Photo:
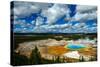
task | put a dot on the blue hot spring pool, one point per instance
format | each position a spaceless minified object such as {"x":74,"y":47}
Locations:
{"x":75,"y":46}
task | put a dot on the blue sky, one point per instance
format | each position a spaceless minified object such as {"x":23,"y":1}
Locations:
{"x":32,"y":17}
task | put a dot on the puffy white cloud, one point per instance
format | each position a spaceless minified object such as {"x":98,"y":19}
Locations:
{"x":23,"y":9}
{"x":33,"y":22}
{"x":85,"y":8}
{"x":84,"y":13}
{"x":55,"y":12}
{"x":39,"y":21}
{"x":79,"y":25}
{"x":19,"y":22}
{"x":84,"y":16}
{"x":53,"y":28}
{"x":62,"y":26}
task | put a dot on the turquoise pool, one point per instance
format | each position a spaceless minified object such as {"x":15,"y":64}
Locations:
{"x":75,"y":46}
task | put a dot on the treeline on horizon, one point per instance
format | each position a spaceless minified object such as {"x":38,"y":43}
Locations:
{"x":53,"y":33}
{"x":24,"y":38}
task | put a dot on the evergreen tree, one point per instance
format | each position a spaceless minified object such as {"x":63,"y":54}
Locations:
{"x":35,"y":56}
{"x":57,"y":60}
{"x":20,"y":60}
{"x":93,"y":58}
{"x":63,"y":60}
{"x":81,"y":59}
{"x":53,"y":61}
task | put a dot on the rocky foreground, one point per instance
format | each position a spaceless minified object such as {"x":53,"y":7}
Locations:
{"x":50,"y":48}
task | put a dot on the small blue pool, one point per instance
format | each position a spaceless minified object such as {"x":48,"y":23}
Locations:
{"x":75,"y":46}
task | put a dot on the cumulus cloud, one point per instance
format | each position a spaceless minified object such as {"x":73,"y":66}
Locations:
{"x":83,"y":9}
{"x":85,"y":13}
{"x":25,"y":9}
{"x":79,"y":25}
{"x":22,"y":26}
{"x":22,"y":9}
{"x":39,"y":21}
{"x":53,"y":28}
{"x":55,"y":12}
{"x":63,"y":26}
{"x":52,"y":13}
{"x":84,"y":16}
